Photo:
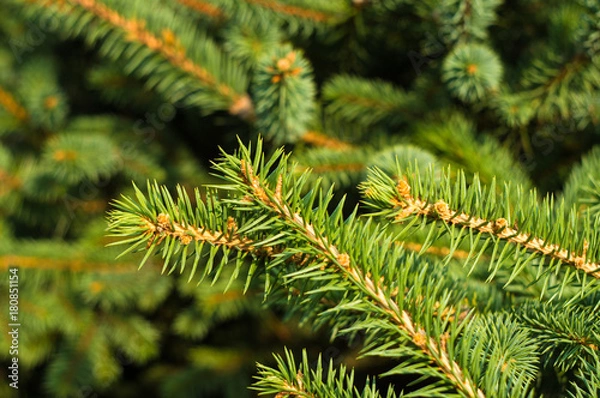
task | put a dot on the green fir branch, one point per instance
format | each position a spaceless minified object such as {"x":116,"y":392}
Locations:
{"x":165,"y":49}
{"x":460,"y":20}
{"x":454,"y":139}
{"x":303,"y":380}
{"x":268,"y":220}
{"x":367,"y":101}
{"x":349,"y":167}
{"x":488,"y":221}
{"x":284,"y":92}
{"x":569,"y":336}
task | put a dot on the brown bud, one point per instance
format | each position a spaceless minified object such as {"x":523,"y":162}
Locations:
{"x":185,"y":239}
{"x":500,"y":224}
{"x":441,"y":208}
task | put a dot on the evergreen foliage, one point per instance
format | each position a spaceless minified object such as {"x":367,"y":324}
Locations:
{"x":436,"y":205}
{"x":284,"y":93}
{"x":410,"y":310}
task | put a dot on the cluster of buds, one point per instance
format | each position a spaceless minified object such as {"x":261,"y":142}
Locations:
{"x":284,"y":68}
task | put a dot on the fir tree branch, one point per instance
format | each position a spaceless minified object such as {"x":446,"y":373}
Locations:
{"x":550,"y":85}
{"x":162,"y":227}
{"x":570,"y":68}
{"x":587,"y":383}
{"x":290,"y":380}
{"x":167,"y":45}
{"x":344,"y":168}
{"x":348,"y":167}
{"x":341,"y":261}
{"x":81,"y":349}
{"x":139,"y":222}
{"x":304,"y":14}
{"x":284,"y":91}
{"x":368,"y":102}
{"x":407,"y":205}
{"x":8,"y":102}
{"x":420,"y":325}
{"x":295,"y":389}
{"x":582,"y":189}
{"x":568,"y":335}
{"x":455,"y":139}
{"x":457,"y":21}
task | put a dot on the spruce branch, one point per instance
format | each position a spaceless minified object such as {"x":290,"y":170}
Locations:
{"x":71,"y":367}
{"x":296,"y":15}
{"x":433,"y":202}
{"x":454,"y":138}
{"x":471,"y":286}
{"x":9,"y":182}
{"x":40,"y":94}
{"x":332,"y":167}
{"x":249,"y":43}
{"x":587,"y":383}
{"x":366,"y":101}
{"x":566,"y":72}
{"x":342,"y":262}
{"x":290,"y":380}
{"x":569,"y":336}
{"x":70,"y":156}
{"x":460,"y":21}
{"x":436,"y":251}
{"x":344,"y":168}
{"x":163,"y":227}
{"x":582,"y":189}
{"x":472,"y":72}
{"x":224,"y":89}
{"x":348,"y":167}
{"x":556,"y":84}
{"x":284,"y":90}
{"x":168,"y":46}
{"x":499,"y":228}
{"x":324,"y":257}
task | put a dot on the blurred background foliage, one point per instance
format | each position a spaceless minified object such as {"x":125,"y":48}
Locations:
{"x":95,"y":94}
